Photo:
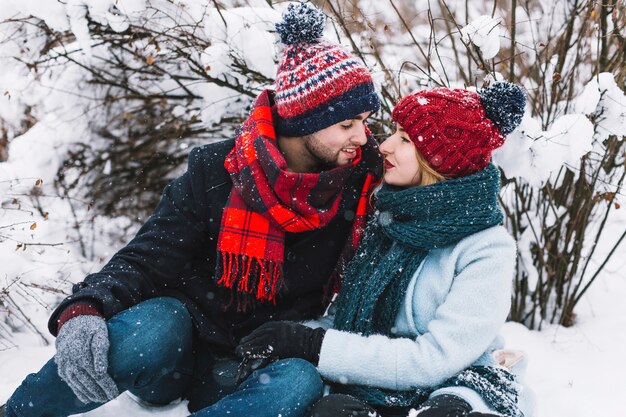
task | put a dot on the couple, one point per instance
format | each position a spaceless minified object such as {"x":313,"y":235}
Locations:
{"x":205,"y":303}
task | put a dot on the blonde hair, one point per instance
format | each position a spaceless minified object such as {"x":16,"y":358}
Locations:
{"x":428,"y":174}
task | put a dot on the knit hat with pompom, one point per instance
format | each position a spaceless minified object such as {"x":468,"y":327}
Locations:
{"x":455,"y":129}
{"x":318,"y":83}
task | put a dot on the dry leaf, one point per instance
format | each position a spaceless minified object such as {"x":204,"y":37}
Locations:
{"x":38,"y":182}
{"x":150,"y":60}
{"x":33,"y":226}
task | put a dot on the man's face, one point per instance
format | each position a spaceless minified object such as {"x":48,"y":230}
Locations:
{"x":336,"y":145}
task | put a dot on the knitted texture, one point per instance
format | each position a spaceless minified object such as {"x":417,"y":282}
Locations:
{"x":496,"y":385}
{"x":82,"y":359}
{"x":267,"y":201}
{"x":504,"y":105}
{"x":452,"y":128}
{"x":318,"y":83}
{"x":75,"y":310}
{"x":410,"y":222}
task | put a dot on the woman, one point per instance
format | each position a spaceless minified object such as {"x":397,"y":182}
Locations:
{"x":418,"y":314}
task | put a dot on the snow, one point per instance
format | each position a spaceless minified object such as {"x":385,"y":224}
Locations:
{"x":611,"y":108}
{"x":578,"y":371}
{"x":569,"y":137}
{"x":248,"y":33}
{"x":484,"y":33}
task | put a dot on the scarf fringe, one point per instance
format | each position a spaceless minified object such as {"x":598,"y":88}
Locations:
{"x":250,"y":276}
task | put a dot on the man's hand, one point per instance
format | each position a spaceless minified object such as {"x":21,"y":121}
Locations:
{"x":278,"y":340}
{"x":249,"y":365}
{"x":82,"y":359}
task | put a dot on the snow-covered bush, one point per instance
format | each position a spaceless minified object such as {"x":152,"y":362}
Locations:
{"x":147,"y":79}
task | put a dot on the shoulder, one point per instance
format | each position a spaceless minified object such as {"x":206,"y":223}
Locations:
{"x":207,"y":161}
{"x":487,"y":255}
{"x":492,"y":238}
{"x":211,"y":154}
{"x":491,"y":248}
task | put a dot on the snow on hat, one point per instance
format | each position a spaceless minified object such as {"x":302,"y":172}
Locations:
{"x":318,"y":83}
{"x":455,"y":129}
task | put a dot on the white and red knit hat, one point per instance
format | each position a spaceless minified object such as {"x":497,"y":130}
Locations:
{"x":318,"y":83}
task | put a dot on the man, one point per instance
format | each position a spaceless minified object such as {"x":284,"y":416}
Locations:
{"x":252,"y":232}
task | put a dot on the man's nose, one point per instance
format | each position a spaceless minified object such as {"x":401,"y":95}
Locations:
{"x":360,"y":138}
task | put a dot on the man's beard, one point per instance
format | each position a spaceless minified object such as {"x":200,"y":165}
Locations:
{"x":323,"y":155}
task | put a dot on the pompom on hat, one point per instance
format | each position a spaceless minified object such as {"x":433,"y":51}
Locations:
{"x":456,"y":130}
{"x":318,"y":83}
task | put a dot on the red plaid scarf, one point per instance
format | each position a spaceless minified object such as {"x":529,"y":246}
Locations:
{"x":267,"y":201}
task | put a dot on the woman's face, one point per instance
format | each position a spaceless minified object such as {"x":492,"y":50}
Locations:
{"x":401,"y":166}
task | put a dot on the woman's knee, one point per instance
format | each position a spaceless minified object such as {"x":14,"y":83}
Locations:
{"x":340,"y":405}
{"x":445,"y":405}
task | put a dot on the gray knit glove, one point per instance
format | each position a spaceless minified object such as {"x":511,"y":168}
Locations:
{"x":82,"y":359}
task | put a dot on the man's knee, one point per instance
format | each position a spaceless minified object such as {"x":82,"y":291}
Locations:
{"x":340,"y":405}
{"x":301,"y":373}
{"x":150,"y":338}
{"x":297,"y":381}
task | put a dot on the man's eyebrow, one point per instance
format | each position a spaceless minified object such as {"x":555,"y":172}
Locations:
{"x":359,"y":117}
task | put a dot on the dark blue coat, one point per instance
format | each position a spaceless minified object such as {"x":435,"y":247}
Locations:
{"x":174,"y":254}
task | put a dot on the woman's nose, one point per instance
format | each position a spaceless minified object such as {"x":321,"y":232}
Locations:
{"x":386,"y":147}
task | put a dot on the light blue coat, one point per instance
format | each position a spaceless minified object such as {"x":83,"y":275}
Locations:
{"x":450,"y":319}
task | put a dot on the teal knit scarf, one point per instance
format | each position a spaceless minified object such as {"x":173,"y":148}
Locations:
{"x":408,"y":223}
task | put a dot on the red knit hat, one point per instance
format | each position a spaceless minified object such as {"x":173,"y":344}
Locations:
{"x":456,"y":130}
{"x":318,"y":83}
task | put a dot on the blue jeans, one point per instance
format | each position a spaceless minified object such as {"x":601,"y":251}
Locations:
{"x":152,"y":356}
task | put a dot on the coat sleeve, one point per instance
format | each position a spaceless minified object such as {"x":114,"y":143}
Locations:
{"x":164,"y":248}
{"x":464,"y":326}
